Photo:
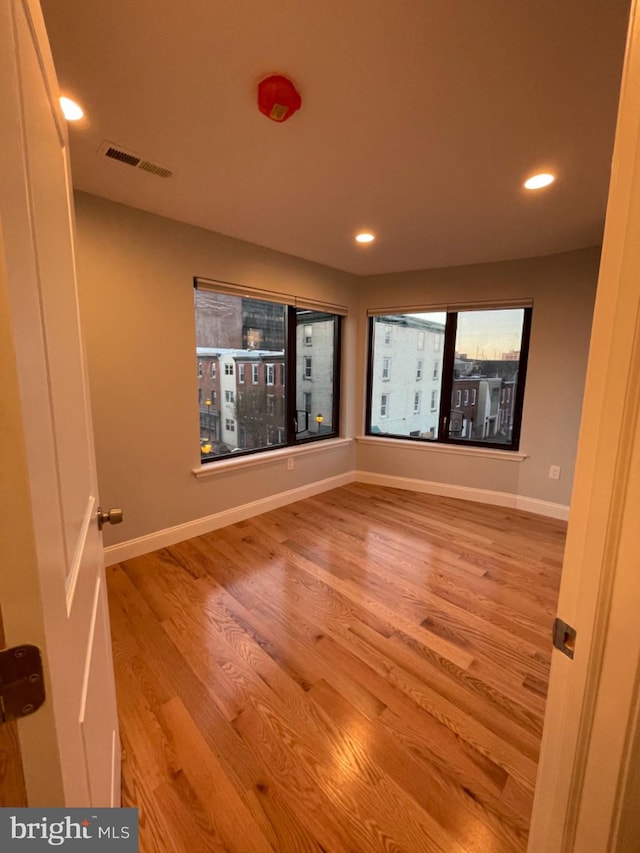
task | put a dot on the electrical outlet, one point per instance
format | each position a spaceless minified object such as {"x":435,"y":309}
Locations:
{"x":290,"y":464}
{"x":554,"y":472}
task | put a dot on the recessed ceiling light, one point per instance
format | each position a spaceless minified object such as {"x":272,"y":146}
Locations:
{"x":536,"y":182}
{"x":71,"y":110}
{"x":365,"y":237}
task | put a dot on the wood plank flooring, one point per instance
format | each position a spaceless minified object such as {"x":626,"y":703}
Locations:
{"x":364,"y":670}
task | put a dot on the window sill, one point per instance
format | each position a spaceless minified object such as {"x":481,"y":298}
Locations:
{"x":434,"y":447}
{"x":269,"y":456}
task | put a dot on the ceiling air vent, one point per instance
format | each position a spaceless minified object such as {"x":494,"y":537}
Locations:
{"x":116,"y":152}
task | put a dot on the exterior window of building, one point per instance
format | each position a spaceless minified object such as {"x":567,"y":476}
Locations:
{"x":214,"y":395}
{"x":213,"y":370}
{"x":265,"y":407}
{"x":199,"y":369}
{"x":387,"y":336}
{"x":477,"y":361}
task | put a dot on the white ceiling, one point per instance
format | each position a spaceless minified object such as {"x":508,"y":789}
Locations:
{"x":420,"y":120}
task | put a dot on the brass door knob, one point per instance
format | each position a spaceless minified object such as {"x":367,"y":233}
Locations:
{"x":112,"y":516}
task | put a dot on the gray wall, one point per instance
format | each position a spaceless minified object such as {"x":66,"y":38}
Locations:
{"x":135,"y":273}
{"x":135,"y":276}
{"x":563,"y":291}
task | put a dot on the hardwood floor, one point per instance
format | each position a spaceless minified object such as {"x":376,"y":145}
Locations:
{"x":364,"y":670}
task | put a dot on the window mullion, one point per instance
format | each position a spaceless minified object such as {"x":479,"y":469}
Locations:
{"x":291,"y":390}
{"x":448,"y":368}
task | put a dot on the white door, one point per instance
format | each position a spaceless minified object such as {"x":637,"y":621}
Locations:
{"x":586,"y":779}
{"x":52,"y":586}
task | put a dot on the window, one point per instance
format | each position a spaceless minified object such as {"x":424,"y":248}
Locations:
{"x":387,"y":336}
{"x":214,"y":369}
{"x":199,"y":369}
{"x":267,"y":406}
{"x":486,"y":349}
{"x":214,"y":395}
{"x":200,"y":395}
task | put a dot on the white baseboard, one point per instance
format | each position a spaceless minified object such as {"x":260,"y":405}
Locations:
{"x":465,"y":493}
{"x":171,"y":535}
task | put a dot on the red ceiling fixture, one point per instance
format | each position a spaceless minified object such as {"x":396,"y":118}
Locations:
{"x":278,"y":98}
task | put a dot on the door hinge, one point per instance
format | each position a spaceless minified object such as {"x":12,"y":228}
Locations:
{"x":564,"y":637}
{"x":21,"y":682}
